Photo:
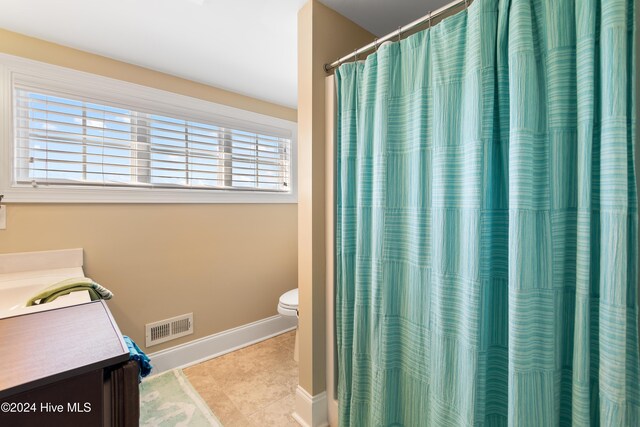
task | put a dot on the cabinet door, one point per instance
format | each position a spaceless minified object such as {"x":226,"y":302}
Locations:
{"x":76,"y":401}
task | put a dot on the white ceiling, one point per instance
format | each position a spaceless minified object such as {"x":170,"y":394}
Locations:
{"x":245,"y":46}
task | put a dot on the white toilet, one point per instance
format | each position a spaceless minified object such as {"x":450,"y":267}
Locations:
{"x":288,"y":306}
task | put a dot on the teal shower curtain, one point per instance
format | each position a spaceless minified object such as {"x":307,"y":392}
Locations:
{"x":486,"y":223}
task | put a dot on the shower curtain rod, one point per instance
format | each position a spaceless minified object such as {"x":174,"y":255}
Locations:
{"x":374,"y":44}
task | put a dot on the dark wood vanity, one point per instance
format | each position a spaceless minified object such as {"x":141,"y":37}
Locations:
{"x":66,"y":367}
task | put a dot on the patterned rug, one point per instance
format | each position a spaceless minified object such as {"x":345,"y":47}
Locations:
{"x":169,"y":400}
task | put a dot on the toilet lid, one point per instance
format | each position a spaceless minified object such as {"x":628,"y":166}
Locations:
{"x":290,"y":298}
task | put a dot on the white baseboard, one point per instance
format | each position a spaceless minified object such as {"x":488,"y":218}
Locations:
{"x":332,"y":408}
{"x":311,"y":411}
{"x":202,"y":349}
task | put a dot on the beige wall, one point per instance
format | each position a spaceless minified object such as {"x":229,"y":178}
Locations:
{"x":226,"y":263}
{"x":40,"y":50}
{"x":323,"y":36}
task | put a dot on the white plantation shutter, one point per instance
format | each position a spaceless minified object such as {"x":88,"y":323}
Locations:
{"x":64,"y":140}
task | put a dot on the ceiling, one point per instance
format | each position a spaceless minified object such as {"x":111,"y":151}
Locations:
{"x":245,"y":46}
{"x":381,"y":17}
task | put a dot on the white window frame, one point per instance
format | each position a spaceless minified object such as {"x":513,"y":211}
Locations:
{"x":51,"y":77}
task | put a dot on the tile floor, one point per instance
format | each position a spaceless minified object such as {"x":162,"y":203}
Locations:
{"x":252,"y":387}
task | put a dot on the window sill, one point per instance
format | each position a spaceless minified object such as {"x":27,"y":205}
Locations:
{"x":136,"y":195}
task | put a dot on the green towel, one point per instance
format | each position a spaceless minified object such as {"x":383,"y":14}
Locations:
{"x":70,"y":285}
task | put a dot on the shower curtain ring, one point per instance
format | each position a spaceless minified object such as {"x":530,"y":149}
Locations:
{"x":375,"y":44}
{"x":429,"y":20}
{"x":399,"y":33}
{"x":355,"y":55}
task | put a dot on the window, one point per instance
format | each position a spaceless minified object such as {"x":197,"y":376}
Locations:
{"x":80,"y":137}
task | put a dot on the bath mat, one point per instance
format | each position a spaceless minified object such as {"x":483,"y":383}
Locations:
{"x":168,"y":400}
